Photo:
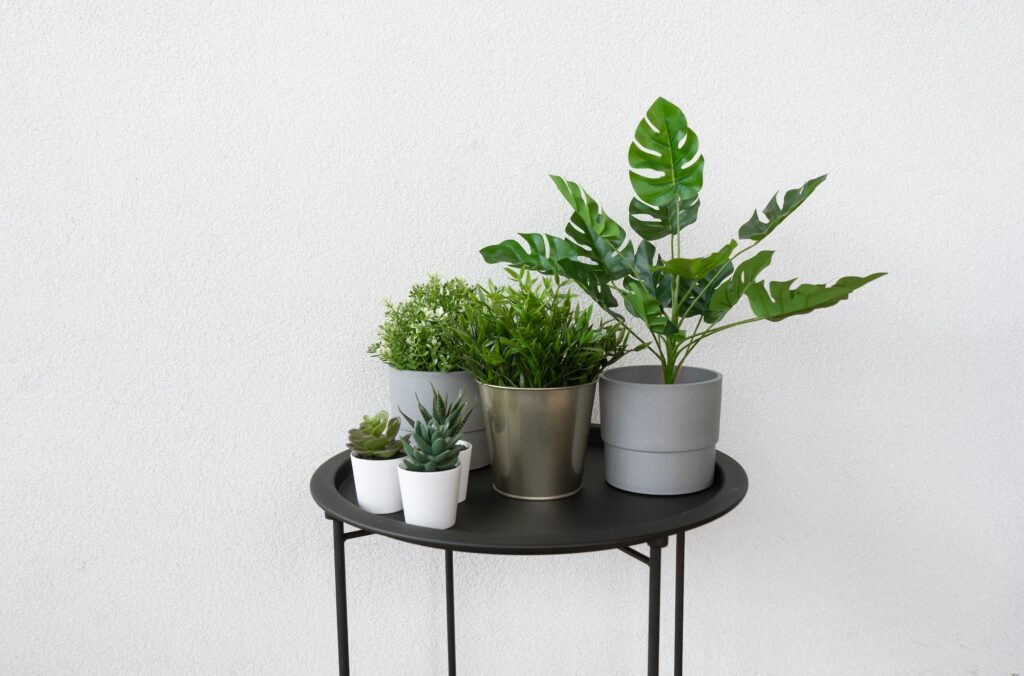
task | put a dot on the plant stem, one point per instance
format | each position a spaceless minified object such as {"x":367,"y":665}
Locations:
{"x":696,"y":338}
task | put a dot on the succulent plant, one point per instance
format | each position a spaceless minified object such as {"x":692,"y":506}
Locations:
{"x":375,"y":438}
{"x":434,"y":443}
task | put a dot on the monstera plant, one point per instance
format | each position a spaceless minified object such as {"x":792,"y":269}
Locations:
{"x":681,"y":300}
{"x":660,"y":423}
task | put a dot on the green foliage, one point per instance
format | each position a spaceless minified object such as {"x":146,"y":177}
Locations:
{"x":531,"y":334}
{"x":727,"y":294}
{"x":434,"y":443}
{"x":774,"y":213}
{"x":780,"y":301}
{"x":667,"y":174}
{"x":452,"y":415}
{"x":696,"y":269}
{"x":375,"y":438}
{"x":417,"y":335}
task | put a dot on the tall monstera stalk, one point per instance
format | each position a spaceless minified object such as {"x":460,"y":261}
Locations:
{"x":680,"y":300}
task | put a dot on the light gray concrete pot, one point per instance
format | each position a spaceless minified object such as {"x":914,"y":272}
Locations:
{"x":538,"y":438}
{"x":405,"y":386}
{"x":660,"y":439}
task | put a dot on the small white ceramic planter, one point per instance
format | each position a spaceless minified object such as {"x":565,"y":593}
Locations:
{"x":465,"y":463}
{"x":430,"y":499}
{"x":377,"y":489}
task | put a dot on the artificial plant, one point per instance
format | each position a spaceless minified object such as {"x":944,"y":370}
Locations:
{"x":532,"y":333}
{"x":416,"y":334}
{"x":681,"y":301}
{"x":433,"y":445}
{"x":375,"y":438}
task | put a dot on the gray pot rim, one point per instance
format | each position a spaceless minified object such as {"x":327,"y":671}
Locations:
{"x":713,"y":376}
{"x":443,"y":373}
{"x":538,"y":389}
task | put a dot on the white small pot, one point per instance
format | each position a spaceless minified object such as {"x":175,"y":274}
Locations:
{"x":465,"y":463}
{"x":377,"y":489}
{"x":430,"y":499}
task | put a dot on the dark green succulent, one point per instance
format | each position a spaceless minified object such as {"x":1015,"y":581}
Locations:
{"x":375,"y":438}
{"x":434,"y":443}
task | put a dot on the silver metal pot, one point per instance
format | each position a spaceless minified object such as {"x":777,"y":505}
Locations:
{"x":538,"y":438}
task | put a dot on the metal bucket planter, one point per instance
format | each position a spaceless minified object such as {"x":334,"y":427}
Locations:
{"x":405,"y":386}
{"x":538,"y":438}
{"x":660,"y":439}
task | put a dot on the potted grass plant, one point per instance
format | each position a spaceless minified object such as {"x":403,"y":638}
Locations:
{"x":430,"y":476}
{"x":417,"y":342}
{"x":536,"y":354}
{"x":660,"y":423}
{"x":376,"y":454}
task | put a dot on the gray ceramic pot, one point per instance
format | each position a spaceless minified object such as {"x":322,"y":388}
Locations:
{"x":538,"y":438}
{"x":405,"y":386}
{"x":660,"y":439}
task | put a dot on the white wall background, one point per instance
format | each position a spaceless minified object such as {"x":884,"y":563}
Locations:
{"x":203,"y":204}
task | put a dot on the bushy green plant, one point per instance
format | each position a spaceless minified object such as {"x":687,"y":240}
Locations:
{"x":375,"y":438}
{"x":667,"y":175}
{"x":416,"y":334}
{"x":531,"y":333}
{"x":434,"y":443}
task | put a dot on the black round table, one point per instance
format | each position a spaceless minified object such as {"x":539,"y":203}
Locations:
{"x":599,"y":517}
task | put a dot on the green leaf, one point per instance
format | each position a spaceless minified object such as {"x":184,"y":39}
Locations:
{"x":594,"y":281}
{"x":755,"y":229}
{"x":729,"y":293}
{"x":780,"y":301}
{"x":667,"y":193}
{"x":641,"y":304}
{"x":545,"y":255}
{"x":593,"y":233}
{"x":694,"y":269}
{"x":647,"y":270}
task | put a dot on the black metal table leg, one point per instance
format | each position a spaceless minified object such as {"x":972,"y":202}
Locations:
{"x":680,"y":563}
{"x":654,"y":606}
{"x":450,"y":603}
{"x":341,"y":601}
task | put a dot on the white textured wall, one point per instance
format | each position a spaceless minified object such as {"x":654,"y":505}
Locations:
{"x":202,"y":205}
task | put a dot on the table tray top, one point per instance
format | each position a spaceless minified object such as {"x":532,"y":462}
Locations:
{"x":599,"y":517}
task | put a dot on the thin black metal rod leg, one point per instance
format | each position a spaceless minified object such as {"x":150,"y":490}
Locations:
{"x":654,"y":609}
{"x":341,"y":601}
{"x":680,"y":564}
{"x":450,"y":602}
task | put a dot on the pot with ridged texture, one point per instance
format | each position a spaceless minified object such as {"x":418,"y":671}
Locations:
{"x":660,"y":439}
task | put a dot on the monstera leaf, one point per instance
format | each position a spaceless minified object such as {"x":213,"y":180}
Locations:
{"x":698,"y":301}
{"x":729,"y":293}
{"x":647,"y":270}
{"x":593,"y":233}
{"x":780,"y":301}
{"x":594,"y":281}
{"x":666,"y":150}
{"x":646,"y":307}
{"x":755,"y":229}
{"x":695,"y":269}
{"x":546,"y":253}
